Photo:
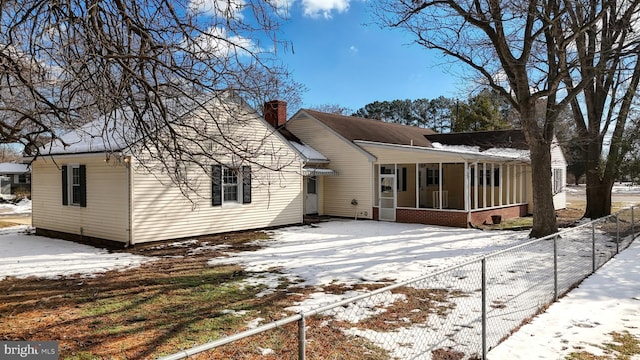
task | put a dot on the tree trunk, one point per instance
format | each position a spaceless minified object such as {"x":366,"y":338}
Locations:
{"x":598,"y":199}
{"x":544,"y":216}
{"x":598,"y":185}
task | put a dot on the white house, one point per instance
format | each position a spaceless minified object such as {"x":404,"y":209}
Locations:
{"x":97,"y":190}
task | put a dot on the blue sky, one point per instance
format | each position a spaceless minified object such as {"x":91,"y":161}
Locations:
{"x":345,"y":59}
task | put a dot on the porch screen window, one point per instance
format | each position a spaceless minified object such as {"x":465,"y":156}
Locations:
{"x":485,"y":177}
{"x":402,"y":179}
{"x":74,"y":185}
{"x":230,"y":185}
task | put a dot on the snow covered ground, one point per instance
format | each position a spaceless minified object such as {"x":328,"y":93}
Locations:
{"x":608,"y":301}
{"x":22,"y":207}
{"x":350,"y":252}
{"x":520,"y":283}
{"x":26,"y":255}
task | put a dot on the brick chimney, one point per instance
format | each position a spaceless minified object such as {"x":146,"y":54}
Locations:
{"x":275,"y":112}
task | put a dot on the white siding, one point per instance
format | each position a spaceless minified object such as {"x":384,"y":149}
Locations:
{"x":160,"y":211}
{"x":106,"y":213}
{"x":354,"y":179}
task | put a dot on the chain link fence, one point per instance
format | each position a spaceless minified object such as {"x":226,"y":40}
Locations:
{"x":456,"y":313}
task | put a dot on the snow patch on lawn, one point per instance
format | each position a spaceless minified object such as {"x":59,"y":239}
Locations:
{"x":21,"y":207}
{"x":350,"y":252}
{"x":25,"y":255}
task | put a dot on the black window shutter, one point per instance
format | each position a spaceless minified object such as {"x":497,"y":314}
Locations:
{"x":83,"y":185}
{"x":216,"y":185}
{"x":65,"y":189}
{"x":404,"y":179}
{"x":246,"y":184}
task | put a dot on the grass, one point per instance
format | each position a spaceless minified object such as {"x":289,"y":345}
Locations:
{"x":623,"y":347}
{"x":173,"y":303}
{"x":4,"y":224}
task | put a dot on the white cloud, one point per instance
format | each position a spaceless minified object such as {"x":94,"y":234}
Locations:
{"x":218,"y":42}
{"x":353,"y":50}
{"x":282,"y":6}
{"x":228,"y":9}
{"x":324,"y":8}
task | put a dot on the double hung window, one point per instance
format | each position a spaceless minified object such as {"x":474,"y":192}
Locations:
{"x":230,"y":185}
{"x":74,"y":185}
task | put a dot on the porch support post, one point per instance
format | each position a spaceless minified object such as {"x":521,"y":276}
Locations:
{"x":508,"y":193}
{"x":521,"y":184}
{"x":500,"y":185}
{"x":417,"y":185}
{"x":476,"y":184}
{"x":514,"y":188}
{"x":466,"y":191}
{"x":440,"y":183}
{"x":484,"y":185}
{"x":395,"y":188}
{"x":493,"y":184}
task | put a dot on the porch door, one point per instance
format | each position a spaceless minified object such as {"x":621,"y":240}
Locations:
{"x":311,"y":197}
{"x":387,"y":208}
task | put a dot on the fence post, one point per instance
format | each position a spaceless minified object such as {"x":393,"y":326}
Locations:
{"x":617,"y":234}
{"x":555,"y":268}
{"x":593,"y":247}
{"x":484,"y":308}
{"x":633,"y":225}
{"x":301,"y":338}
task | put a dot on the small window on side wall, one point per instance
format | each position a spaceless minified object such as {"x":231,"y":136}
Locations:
{"x":230,"y":185}
{"x":74,"y":185}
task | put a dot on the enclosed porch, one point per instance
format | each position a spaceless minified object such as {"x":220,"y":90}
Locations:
{"x":451,"y":193}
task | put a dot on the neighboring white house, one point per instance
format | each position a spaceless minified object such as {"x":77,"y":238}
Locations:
{"x":14,"y":178}
{"x":95,"y":190}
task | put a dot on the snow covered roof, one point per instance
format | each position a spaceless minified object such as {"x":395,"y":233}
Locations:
{"x":102,"y":135}
{"x":507,"y":153}
{"x":117,"y":131}
{"x":510,"y":138}
{"x":13,"y":168}
{"x":310,"y":154}
{"x":467,"y":153}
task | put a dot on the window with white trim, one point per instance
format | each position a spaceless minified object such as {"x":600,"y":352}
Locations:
{"x":230,"y":185}
{"x":74,"y":185}
{"x":558,"y":179}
